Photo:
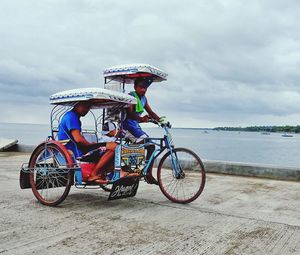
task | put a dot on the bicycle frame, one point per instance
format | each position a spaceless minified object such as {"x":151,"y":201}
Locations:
{"x":165,"y":144}
{"x":161,"y":145}
{"x":168,"y":145}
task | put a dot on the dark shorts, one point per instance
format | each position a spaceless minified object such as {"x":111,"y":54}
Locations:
{"x":135,"y":129}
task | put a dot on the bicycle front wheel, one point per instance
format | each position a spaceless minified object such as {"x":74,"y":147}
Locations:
{"x":50,"y":175}
{"x":181,"y":175}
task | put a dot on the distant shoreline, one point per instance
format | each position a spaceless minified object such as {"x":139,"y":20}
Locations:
{"x":273,"y":129}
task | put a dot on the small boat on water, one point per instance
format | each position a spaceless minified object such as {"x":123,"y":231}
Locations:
{"x":265,"y":133}
{"x":287,"y":135}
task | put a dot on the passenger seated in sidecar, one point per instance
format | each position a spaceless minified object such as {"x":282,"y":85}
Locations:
{"x":101,"y":153}
{"x":70,"y":129}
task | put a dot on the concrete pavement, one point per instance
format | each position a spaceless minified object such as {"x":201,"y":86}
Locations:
{"x":234,"y":215}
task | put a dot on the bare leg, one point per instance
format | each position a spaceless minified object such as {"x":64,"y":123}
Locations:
{"x":104,"y":162}
{"x":149,"y":178}
{"x":100,"y":166}
{"x":150,"y":150}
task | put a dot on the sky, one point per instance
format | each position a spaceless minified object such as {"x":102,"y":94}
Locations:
{"x":229,"y":62}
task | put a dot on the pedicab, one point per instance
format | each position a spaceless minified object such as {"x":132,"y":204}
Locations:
{"x":52,"y":169}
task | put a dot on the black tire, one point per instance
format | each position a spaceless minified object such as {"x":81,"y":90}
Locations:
{"x":50,"y":176}
{"x":185,"y":185}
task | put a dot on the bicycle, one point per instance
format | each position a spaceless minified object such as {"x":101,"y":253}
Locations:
{"x":52,"y":169}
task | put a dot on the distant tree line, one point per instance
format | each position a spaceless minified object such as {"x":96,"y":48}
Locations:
{"x":289,"y":129}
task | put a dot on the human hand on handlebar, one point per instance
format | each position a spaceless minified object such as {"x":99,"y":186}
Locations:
{"x":163,"y":120}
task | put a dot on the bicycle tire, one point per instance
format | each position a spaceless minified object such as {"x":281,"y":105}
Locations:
{"x":188,"y":185}
{"x":49,"y":183}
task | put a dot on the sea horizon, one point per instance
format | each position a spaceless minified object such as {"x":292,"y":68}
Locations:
{"x":242,"y":146}
{"x":173,"y":127}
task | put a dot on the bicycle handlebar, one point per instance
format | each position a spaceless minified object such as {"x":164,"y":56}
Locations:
{"x":167,"y":124}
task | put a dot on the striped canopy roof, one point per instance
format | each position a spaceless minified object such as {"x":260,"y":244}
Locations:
{"x":100,"y":98}
{"x":127,"y":73}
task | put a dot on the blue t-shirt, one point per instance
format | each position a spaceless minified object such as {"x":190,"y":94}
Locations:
{"x":70,"y":121}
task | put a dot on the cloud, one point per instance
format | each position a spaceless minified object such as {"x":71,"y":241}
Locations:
{"x":228,"y":62}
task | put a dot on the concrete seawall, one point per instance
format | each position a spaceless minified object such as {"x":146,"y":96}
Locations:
{"x":249,"y":169}
{"x":227,"y":167}
{"x":254,"y":170}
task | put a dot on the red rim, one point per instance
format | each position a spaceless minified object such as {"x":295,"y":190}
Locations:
{"x":59,"y":147}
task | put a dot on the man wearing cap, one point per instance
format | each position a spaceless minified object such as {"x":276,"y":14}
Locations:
{"x":134,"y":117}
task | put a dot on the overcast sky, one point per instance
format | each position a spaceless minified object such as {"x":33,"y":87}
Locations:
{"x":230,"y":62}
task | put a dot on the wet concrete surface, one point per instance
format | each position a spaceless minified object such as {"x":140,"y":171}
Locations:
{"x":233,"y":215}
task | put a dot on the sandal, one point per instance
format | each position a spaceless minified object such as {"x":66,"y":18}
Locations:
{"x":101,"y":181}
{"x":126,"y":174}
{"x":93,"y":178}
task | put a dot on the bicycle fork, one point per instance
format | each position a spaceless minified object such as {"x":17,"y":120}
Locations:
{"x":175,"y":164}
{"x":178,"y":173}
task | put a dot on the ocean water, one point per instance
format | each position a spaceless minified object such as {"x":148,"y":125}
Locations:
{"x":247,"y":147}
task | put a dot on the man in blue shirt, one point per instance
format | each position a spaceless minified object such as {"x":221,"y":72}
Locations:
{"x":70,"y":129}
{"x":134,"y":117}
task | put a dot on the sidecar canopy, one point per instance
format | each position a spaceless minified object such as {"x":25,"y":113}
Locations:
{"x":99,"y":98}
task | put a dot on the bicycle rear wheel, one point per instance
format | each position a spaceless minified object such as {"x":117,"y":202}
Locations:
{"x":50,"y":175}
{"x":181,"y":175}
